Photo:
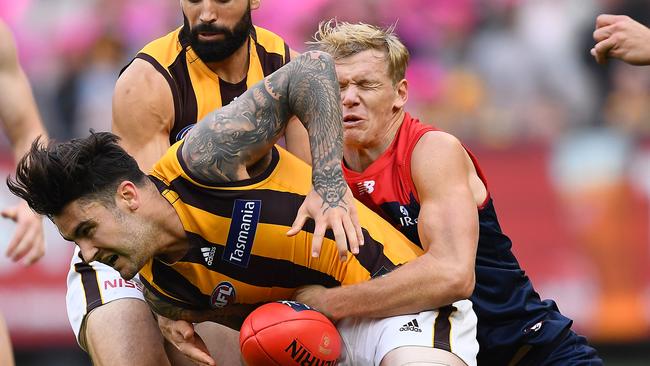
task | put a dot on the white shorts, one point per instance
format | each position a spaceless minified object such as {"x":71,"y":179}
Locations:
{"x":92,"y":285}
{"x":451,"y":328}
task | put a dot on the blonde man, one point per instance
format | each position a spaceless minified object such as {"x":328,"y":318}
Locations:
{"x":432,"y":189}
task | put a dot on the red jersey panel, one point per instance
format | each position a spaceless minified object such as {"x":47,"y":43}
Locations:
{"x":386,"y":186}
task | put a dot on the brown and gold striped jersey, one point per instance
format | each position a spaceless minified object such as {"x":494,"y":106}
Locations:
{"x":239,"y":252}
{"x":196,"y":89}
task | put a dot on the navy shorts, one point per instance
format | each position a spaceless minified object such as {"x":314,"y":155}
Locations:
{"x":568,"y":350}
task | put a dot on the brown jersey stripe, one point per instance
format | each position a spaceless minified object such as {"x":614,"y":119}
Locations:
{"x":270,"y":61}
{"x":179,"y":287}
{"x":178,"y":106}
{"x":231,"y":91}
{"x":442,"y":328}
{"x":287,"y":53}
{"x":189,"y":113}
{"x":220,"y":203}
{"x":261,"y":271}
{"x":90,"y":285}
{"x":166,"y":298}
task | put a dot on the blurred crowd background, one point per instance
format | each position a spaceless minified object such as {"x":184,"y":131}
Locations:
{"x":565,"y":142}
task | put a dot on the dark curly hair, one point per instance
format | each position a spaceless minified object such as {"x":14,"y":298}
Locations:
{"x":50,"y":176}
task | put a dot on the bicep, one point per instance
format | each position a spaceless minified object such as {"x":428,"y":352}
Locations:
{"x":448,"y":219}
{"x":143,"y":113}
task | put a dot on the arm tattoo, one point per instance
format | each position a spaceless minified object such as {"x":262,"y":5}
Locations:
{"x":232,"y":316}
{"x":229,"y":139}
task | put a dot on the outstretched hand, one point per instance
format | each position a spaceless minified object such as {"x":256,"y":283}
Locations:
{"x":342,"y":219}
{"x":619,"y":36}
{"x":181,"y":335}
{"x":28,"y":241}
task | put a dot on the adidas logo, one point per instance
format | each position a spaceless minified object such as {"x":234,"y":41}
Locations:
{"x":208,"y":254}
{"x":411,"y":326}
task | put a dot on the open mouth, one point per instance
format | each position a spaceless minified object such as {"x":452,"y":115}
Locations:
{"x":351,"y":118}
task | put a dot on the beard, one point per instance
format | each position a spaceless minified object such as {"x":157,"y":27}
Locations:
{"x":219,"y":50}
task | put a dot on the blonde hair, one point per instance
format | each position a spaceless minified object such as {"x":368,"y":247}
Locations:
{"x":343,"y":39}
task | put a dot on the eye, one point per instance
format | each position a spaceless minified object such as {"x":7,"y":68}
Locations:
{"x":87,"y":231}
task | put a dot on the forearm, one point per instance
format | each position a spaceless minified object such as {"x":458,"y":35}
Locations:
{"x":233,"y":316}
{"x":241,"y":133}
{"x":26,"y":134}
{"x":314,"y":98}
{"x":422,"y":284}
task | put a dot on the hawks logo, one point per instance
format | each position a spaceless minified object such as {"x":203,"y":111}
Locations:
{"x":222,"y":295}
{"x":181,"y":134}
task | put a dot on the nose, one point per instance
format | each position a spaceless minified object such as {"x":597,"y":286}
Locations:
{"x":208,"y":12}
{"x":88,"y":251}
{"x":350,"y":96}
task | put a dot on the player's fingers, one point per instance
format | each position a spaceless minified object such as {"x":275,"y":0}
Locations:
{"x":10,"y":213}
{"x":19,"y":244}
{"x":602,"y":50}
{"x":36,"y":252}
{"x":604,"y":20}
{"x":354,"y":216}
{"x":341,"y":240}
{"x":317,"y":239}
{"x":184,"y":329}
{"x":196,"y":354}
{"x":603,"y":33}
{"x":298,"y":223}
{"x":351,"y":235}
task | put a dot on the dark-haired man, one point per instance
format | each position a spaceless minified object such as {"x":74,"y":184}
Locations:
{"x":207,"y":229}
{"x":171,"y":84}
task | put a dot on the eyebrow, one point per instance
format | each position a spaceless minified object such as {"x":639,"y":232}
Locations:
{"x":77,"y":230}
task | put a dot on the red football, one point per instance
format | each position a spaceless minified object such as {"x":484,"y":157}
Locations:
{"x":288,"y":333}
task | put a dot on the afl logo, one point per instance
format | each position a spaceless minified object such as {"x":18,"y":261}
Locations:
{"x":181,"y":134}
{"x":222,"y":295}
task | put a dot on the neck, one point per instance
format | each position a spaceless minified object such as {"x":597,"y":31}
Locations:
{"x":171,"y":241}
{"x":359,"y":157}
{"x":234,"y":68}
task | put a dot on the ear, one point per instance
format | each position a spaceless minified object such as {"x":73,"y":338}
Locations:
{"x":128,"y":195}
{"x":402,"y":94}
{"x":255,"y":4}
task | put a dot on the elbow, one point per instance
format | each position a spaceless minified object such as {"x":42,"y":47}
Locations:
{"x":461,"y":284}
{"x":467,"y":286}
{"x":324,"y":58}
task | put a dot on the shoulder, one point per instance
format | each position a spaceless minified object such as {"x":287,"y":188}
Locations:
{"x":271,"y":42}
{"x":437,"y":148}
{"x":140,"y":80}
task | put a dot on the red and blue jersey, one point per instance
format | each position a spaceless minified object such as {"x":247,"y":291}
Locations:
{"x":510,"y":313}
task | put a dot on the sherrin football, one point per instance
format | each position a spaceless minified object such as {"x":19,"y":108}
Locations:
{"x":288,"y":333}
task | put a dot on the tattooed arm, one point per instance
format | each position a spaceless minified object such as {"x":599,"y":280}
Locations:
{"x":176,"y":325}
{"x":234,"y":138}
{"x":232,"y":316}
